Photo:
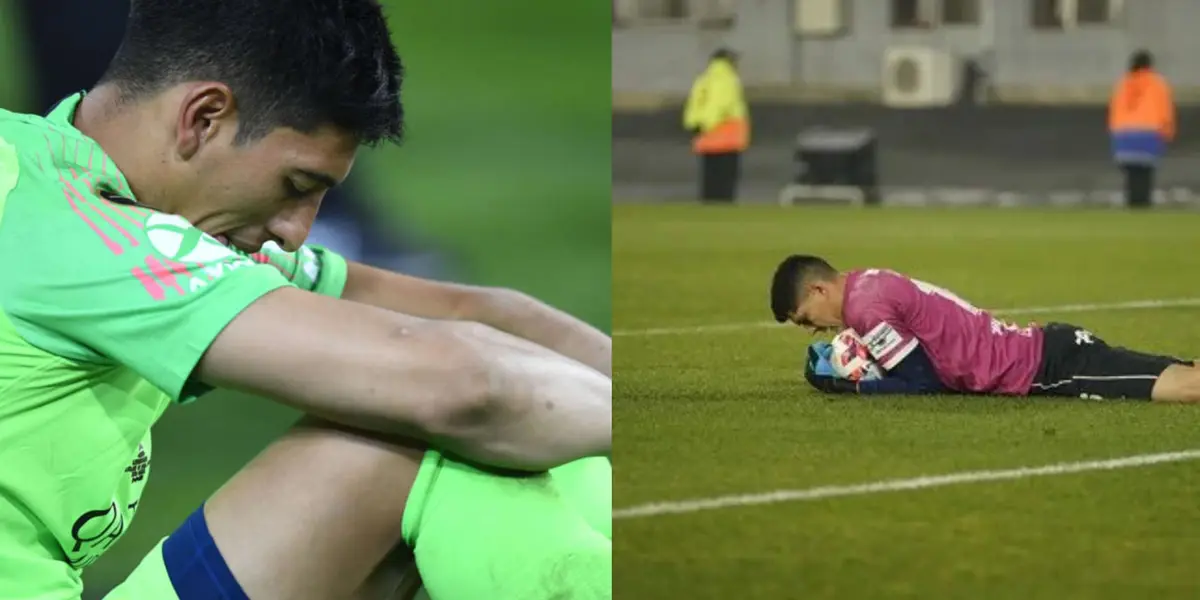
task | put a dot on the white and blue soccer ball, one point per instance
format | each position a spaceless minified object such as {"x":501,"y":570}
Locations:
{"x":851,"y":359}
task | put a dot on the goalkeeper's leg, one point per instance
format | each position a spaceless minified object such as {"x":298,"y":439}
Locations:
{"x":529,"y":538}
{"x":318,"y":511}
{"x":586,"y":485}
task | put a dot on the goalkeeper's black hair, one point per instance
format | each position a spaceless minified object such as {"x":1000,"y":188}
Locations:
{"x":790,"y":277}
{"x":301,"y":64}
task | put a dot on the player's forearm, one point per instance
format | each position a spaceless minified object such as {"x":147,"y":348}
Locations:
{"x":480,"y":393}
{"x":529,"y":318}
{"x":550,"y":410}
{"x":459,"y":386}
{"x":507,"y":310}
{"x":536,"y":410}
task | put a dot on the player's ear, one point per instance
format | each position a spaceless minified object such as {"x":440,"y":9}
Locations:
{"x":206,"y":110}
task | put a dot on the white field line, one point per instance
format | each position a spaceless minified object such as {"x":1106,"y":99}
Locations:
{"x":1026,"y":310}
{"x":897,"y":485}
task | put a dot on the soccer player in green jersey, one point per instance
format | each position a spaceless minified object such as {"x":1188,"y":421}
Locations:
{"x":153,"y":229}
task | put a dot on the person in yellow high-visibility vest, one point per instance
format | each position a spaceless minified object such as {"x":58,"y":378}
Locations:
{"x":719,"y":121}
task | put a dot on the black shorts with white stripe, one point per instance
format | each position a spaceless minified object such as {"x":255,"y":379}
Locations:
{"x":1078,"y":364}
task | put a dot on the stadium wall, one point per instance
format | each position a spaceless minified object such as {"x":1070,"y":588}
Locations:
{"x":653,"y":63}
{"x":1053,"y":153}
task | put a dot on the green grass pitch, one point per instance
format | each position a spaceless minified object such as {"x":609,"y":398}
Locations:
{"x":711,"y":413}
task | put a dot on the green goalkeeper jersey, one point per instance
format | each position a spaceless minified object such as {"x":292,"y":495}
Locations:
{"x":106,"y":307}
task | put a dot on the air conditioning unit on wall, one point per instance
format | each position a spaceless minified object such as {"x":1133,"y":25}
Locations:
{"x":919,"y":77}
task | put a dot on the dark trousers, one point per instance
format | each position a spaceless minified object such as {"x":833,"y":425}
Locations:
{"x":719,"y":176}
{"x":1139,"y":185}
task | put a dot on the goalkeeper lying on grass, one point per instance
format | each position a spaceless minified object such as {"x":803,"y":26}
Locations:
{"x":928,"y":340}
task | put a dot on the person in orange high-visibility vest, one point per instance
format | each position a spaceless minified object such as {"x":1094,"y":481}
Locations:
{"x":718,"y":119}
{"x":1141,"y":122}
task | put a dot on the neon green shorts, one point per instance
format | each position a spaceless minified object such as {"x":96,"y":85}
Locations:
{"x":149,"y":581}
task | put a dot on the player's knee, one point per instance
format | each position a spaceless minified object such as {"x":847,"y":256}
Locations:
{"x":583,"y":572}
{"x":578,"y":566}
{"x":580,"y":569}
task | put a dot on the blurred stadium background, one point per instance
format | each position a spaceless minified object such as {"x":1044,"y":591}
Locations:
{"x":712,"y":401}
{"x":1027,"y":83}
{"x":503,"y":180}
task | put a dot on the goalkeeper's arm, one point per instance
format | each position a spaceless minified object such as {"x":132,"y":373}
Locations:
{"x":504,"y":309}
{"x":460,"y":386}
{"x":913,"y":375}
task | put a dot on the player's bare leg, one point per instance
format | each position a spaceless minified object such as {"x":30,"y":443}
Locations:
{"x":320,"y":514}
{"x":1178,"y":383}
{"x":315,"y":514}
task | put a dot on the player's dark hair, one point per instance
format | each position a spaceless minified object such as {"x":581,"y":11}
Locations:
{"x":290,"y":63}
{"x":790,"y":277}
{"x":724,"y":53}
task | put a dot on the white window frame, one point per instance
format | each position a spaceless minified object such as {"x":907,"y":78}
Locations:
{"x":933,"y":12}
{"x":698,"y":13}
{"x":1068,"y":14}
{"x":820,"y":18}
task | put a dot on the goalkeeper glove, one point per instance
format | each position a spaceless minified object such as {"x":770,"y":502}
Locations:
{"x":818,"y":370}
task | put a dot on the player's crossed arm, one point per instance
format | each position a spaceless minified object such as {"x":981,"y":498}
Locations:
{"x":508,"y":310}
{"x":316,"y":269}
{"x":913,"y":374}
{"x":411,"y":299}
{"x":882,"y":322}
{"x":461,"y":386}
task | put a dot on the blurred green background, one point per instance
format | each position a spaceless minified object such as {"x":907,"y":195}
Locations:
{"x":506,"y":164}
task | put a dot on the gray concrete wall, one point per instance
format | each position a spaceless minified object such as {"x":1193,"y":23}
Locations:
{"x":1028,"y":149}
{"x":661,"y":60}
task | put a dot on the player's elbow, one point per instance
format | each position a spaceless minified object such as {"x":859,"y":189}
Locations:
{"x":464,"y":399}
{"x":471,"y":406}
{"x":495,"y":399}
